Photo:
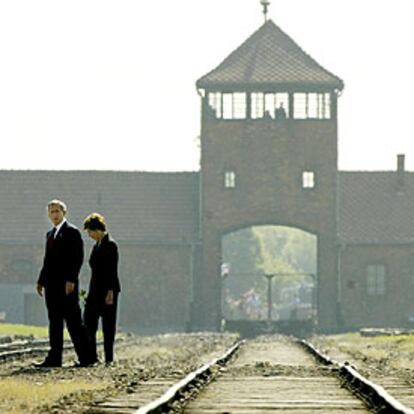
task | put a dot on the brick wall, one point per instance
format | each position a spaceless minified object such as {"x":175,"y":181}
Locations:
{"x":20,"y":263}
{"x":392,"y":309}
{"x":156,"y":282}
{"x":156,"y":287}
{"x":268,"y":158}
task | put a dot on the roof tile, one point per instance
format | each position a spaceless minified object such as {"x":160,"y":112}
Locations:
{"x":138,"y":206}
{"x":269,"y":57}
{"x":374,"y":208}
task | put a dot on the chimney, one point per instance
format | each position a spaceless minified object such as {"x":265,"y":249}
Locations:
{"x":400,"y":169}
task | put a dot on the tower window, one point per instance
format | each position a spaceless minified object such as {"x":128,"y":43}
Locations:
{"x":234,"y":105}
{"x":274,"y":105}
{"x":308,"y":179}
{"x":312,"y":106}
{"x":257,"y":105}
{"x":229,"y":179}
{"x":214,"y":100}
{"x":375,"y":280}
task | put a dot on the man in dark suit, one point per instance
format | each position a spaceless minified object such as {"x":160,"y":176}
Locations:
{"x":59,"y":283}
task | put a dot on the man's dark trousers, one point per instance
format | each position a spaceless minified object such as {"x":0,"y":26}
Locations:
{"x":65,"y":309}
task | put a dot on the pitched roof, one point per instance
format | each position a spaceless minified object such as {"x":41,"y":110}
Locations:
{"x":138,"y":206}
{"x":163,"y":207}
{"x":373,"y":208}
{"x":269,"y":57}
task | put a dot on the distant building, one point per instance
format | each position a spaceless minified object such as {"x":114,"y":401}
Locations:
{"x":376,"y":247}
{"x":153,"y":216}
{"x":257,"y":168}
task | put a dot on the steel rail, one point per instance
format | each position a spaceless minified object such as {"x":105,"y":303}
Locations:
{"x":376,"y":395}
{"x":175,"y":392}
{"x":36,"y":347}
{"x":18,"y":353}
{"x":21,"y":343}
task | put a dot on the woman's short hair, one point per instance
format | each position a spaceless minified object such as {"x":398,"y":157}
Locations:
{"x":58,"y":203}
{"x":95,"y":221}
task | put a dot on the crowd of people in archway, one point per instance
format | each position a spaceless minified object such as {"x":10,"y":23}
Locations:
{"x":249,"y":305}
{"x":294,"y":303}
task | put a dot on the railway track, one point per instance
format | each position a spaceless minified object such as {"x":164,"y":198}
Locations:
{"x":268,"y":374}
{"x":276,"y":375}
{"x":28,"y":348}
{"x":25,"y":347}
{"x":398,"y":382}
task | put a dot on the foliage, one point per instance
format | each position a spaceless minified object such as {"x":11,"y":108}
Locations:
{"x":240,"y":250}
{"x":261,"y":250}
{"x":256,"y":251}
{"x":284,"y":249}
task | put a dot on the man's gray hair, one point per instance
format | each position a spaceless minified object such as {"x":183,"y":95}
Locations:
{"x":59,"y":203}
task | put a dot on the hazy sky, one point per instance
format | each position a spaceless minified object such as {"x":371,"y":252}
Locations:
{"x":98,"y":84}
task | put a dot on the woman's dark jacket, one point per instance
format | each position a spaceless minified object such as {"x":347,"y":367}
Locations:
{"x":104,"y":265}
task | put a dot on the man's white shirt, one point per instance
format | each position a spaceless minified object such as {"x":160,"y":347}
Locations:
{"x":59,"y":226}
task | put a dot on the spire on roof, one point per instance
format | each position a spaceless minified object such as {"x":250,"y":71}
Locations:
{"x":265,"y":4}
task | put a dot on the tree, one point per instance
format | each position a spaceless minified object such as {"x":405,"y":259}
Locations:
{"x":240,"y":251}
{"x":251,"y":253}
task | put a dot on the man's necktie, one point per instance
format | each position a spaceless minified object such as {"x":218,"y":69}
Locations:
{"x":51,"y":238}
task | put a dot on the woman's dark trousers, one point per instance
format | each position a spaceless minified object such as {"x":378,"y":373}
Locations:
{"x":96,"y":308}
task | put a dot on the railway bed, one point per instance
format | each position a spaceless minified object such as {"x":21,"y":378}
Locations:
{"x":269,"y":373}
{"x":279,"y":376}
{"x":215,"y":373}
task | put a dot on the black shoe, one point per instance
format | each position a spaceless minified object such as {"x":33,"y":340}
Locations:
{"x":48,"y":364}
{"x":83,"y":364}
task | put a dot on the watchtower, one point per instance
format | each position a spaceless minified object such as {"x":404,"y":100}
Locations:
{"x":268,"y":156}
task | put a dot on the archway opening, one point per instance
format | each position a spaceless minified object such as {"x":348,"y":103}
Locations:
{"x":269,"y":277}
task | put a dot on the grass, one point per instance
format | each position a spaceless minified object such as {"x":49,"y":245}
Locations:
{"x":25,"y":330}
{"x":19,"y":396}
{"x":397,"y":350}
{"x":401,"y":341}
{"x":9,"y":329}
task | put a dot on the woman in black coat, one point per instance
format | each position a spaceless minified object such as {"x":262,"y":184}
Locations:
{"x":104,"y":287}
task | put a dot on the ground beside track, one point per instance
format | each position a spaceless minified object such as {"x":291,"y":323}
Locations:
{"x":386,"y":360}
{"x":24,"y":389}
